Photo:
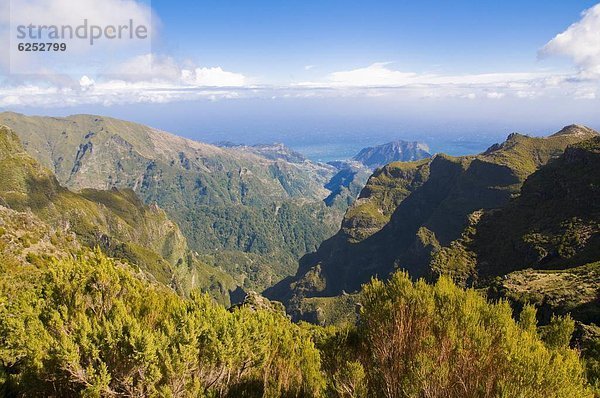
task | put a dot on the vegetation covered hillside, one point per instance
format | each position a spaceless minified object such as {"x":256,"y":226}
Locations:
{"x":75,"y":323}
{"x":114,"y":220}
{"x":409,"y":214}
{"x":89,"y":307}
{"x":543,"y":247}
{"x":554,"y":223}
{"x":550,"y":237}
{"x":85,"y":325}
{"x":259,"y":210}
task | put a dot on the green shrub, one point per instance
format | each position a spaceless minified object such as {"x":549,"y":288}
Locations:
{"x":88,"y":327}
{"x":559,"y":331}
{"x":442,"y":341}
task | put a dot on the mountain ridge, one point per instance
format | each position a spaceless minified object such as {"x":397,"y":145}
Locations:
{"x":245,"y":206}
{"x":409,"y":211}
{"x":116,"y":220}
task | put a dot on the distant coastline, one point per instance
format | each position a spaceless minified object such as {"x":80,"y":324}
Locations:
{"x":336,"y":150}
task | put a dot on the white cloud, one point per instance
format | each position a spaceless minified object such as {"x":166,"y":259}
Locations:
{"x":86,"y":83}
{"x":580,"y":42}
{"x":381,"y":75}
{"x":381,"y":78}
{"x":146,"y":78}
{"x":495,"y":95}
{"x":374,"y":75}
{"x":160,"y":79}
{"x":146,"y":67}
{"x":526,"y":94}
{"x":153,"y":68}
{"x":213,"y":77}
{"x":309,"y":67}
{"x":106,"y":93}
{"x":585,"y":94}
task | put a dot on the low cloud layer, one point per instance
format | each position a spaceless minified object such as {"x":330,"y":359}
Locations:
{"x":382,"y":74}
{"x":156,"y":78}
{"x":152,"y":68}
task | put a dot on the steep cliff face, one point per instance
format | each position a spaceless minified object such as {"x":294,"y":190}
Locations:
{"x":384,"y":191}
{"x":114,"y":220}
{"x":544,"y":246}
{"x":554,"y":223}
{"x":409,"y":213}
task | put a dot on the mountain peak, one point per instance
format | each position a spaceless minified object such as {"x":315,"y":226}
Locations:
{"x":575,"y":129}
{"x":394,"y":151}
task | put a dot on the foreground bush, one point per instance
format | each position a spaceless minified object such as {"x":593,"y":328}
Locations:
{"x":88,"y":327}
{"x":438,"y":340}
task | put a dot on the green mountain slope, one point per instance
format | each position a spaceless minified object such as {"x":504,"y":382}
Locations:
{"x":554,"y":223}
{"x":408,"y":212}
{"x":75,"y":323}
{"x":561,"y":291}
{"x":549,"y":250}
{"x":261,"y":214}
{"x":346,"y":184}
{"x":115,"y":220}
{"x":275,"y":151}
{"x":25,"y":239}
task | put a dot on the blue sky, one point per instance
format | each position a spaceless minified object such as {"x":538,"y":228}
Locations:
{"x":278,"y":39}
{"x":310,"y":72}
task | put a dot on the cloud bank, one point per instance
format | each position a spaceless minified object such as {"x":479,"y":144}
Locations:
{"x":154,"y":78}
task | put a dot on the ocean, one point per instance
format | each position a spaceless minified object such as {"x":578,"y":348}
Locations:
{"x":327,"y":149}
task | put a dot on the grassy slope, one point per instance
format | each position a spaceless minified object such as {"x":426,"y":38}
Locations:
{"x":572,"y":290}
{"x":385,"y":189}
